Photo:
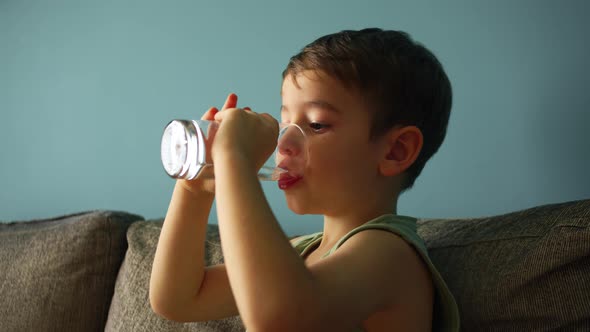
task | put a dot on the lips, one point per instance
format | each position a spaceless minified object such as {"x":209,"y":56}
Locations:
{"x":287,"y":180}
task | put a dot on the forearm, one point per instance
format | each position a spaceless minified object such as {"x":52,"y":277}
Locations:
{"x":178,"y":266}
{"x":266,"y":274}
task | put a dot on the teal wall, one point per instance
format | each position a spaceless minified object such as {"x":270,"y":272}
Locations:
{"x":87,"y":86}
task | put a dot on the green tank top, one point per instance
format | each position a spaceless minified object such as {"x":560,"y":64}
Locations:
{"x":446,"y":312}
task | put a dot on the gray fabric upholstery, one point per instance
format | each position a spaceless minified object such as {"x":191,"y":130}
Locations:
{"x":130,"y":309}
{"x":58,"y":274}
{"x":524,"y":271}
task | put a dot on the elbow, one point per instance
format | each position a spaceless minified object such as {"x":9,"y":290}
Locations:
{"x":173,"y":309}
{"x":161,"y":308}
{"x":159,"y":303}
{"x":165,"y":308}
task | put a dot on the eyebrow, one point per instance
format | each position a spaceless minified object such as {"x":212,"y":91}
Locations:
{"x":317,"y":104}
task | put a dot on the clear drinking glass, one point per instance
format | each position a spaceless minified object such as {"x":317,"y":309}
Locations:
{"x":186,"y":144}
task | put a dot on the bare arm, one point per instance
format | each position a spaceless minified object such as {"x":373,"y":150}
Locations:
{"x":174,"y":286}
{"x":178,"y":269}
{"x":264,"y":271}
{"x":182,"y":288}
{"x":179,"y":272}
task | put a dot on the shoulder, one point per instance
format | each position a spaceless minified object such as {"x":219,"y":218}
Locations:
{"x":391,"y":234}
{"x":394,"y":263}
{"x":375,"y":271}
{"x":376,"y":242}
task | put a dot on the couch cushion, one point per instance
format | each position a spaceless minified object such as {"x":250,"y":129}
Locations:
{"x":130,"y":309}
{"x":59,"y":274}
{"x":524,"y":271}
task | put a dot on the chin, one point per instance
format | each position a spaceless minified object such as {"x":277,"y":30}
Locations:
{"x":296,"y":208}
{"x":299,"y":207}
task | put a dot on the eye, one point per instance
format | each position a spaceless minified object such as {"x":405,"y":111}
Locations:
{"x":317,"y":127}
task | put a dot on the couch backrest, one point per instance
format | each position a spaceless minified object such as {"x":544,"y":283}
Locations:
{"x":59,"y":274}
{"x":524,"y":271}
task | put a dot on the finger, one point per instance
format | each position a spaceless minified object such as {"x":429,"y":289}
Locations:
{"x":234,"y":111}
{"x":230,"y":102}
{"x":220,"y":115}
{"x":210,"y":114}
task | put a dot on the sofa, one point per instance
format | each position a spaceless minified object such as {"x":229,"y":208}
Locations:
{"x":527,"y":270}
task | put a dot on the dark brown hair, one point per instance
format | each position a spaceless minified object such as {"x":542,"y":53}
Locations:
{"x":401,"y":81}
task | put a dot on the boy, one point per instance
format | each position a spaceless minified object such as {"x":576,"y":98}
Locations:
{"x":375,"y":107}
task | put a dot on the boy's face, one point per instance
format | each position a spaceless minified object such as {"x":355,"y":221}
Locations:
{"x":342,"y":162}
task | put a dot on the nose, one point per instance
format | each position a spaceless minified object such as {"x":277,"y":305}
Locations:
{"x":288,"y":146}
{"x":291,"y":141}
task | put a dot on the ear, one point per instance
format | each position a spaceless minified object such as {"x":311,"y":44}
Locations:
{"x":402,"y":147}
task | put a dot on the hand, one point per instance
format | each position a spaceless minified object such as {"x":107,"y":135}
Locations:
{"x":207,"y":183}
{"x":245,"y":134}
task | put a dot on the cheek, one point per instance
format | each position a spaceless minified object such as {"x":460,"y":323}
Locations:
{"x":333,"y":162}
{"x":324,"y":159}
